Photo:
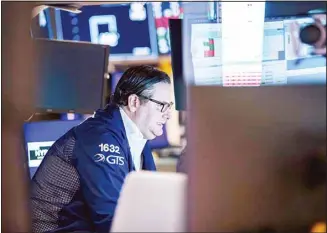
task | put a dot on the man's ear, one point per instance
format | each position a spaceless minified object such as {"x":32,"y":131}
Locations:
{"x":133,"y":103}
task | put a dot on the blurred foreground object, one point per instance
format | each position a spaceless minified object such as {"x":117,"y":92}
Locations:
{"x":271,"y":139}
{"x":319,"y":228}
{"x":160,"y":205}
{"x":17,"y":97}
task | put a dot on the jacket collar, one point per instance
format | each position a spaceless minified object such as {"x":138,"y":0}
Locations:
{"x":111,"y":116}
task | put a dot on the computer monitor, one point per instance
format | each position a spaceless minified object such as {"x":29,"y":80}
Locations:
{"x":70,"y":76}
{"x":39,"y":137}
{"x":222,"y":54}
{"x":163,"y":12}
{"x":279,"y":64}
{"x":248,"y":157}
{"x":128,"y":29}
{"x":175,"y":33}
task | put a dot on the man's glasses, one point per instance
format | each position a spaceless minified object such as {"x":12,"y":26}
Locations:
{"x":164,"y":106}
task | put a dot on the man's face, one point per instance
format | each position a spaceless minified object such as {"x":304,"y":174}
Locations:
{"x":149,"y":117}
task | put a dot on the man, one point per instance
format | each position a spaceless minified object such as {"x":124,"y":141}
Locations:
{"x":78,"y":183}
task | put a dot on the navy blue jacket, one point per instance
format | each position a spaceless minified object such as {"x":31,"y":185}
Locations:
{"x":78,"y":183}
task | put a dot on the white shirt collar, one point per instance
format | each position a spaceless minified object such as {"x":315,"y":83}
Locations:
{"x":135,"y":139}
{"x":130,"y":127}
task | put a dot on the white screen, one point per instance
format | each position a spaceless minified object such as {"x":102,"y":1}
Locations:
{"x":242,"y":42}
{"x":230,"y":53}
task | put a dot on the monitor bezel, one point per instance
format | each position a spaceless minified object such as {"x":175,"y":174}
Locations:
{"x":103,"y":89}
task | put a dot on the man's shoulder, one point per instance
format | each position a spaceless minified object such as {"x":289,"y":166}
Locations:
{"x":94,"y":129}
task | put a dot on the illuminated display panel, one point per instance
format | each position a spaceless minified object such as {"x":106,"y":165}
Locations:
{"x":127,"y":28}
{"x":162,"y":12}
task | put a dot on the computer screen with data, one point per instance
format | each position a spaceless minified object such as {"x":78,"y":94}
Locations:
{"x":222,"y":43}
{"x":252,"y":49}
{"x":281,"y":65}
{"x":129,"y":29}
{"x":214,"y":64}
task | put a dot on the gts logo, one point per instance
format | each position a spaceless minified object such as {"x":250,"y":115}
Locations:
{"x":111,"y":159}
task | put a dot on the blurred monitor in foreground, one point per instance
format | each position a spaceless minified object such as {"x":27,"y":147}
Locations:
{"x":256,"y":146}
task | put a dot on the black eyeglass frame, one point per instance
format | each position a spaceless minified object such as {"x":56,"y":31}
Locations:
{"x":165,"y":106}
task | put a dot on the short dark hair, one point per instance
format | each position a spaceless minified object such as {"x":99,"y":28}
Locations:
{"x":138,"y":80}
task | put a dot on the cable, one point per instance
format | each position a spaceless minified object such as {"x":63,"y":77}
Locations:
{"x":30,"y":118}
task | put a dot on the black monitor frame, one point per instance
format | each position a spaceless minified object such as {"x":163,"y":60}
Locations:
{"x":176,"y":43}
{"x":104,"y":91}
